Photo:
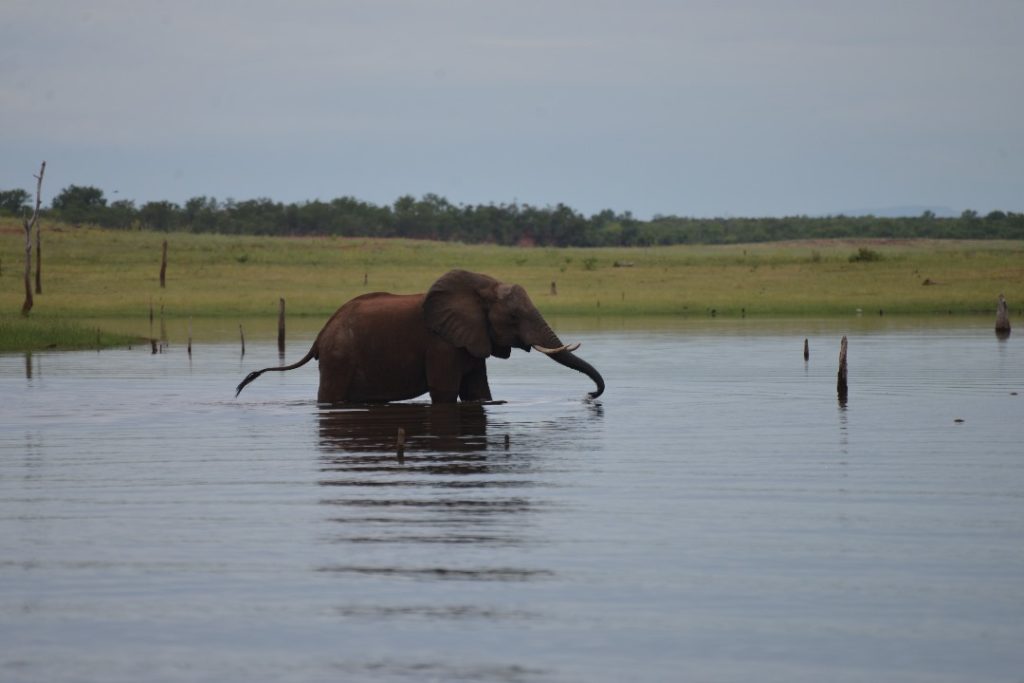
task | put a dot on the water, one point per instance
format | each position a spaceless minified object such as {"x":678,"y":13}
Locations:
{"x":717,"y":515}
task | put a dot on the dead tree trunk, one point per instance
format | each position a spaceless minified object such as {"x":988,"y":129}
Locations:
{"x":29,"y":224}
{"x":163,"y":266}
{"x":280,"y":328}
{"x":841,"y":387}
{"x":1002,"y":318}
{"x":27,"y":306}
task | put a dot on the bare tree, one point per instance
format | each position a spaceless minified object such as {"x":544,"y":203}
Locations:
{"x":29,"y":224}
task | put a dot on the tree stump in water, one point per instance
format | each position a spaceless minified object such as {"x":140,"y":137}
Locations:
{"x":841,"y":387}
{"x":1002,"y":318}
{"x":280,"y":327}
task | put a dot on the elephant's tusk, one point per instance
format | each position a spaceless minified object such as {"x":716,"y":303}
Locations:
{"x":567,"y":347}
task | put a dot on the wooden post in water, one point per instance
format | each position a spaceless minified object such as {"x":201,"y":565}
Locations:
{"x":400,"y":442}
{"x":280,"y":327}
{"x":163,"y":266}
{"x":807,"y":350}
{"x":841,"y":386}
{"x":1002,"y":318}
{"x":241,"y":334}
{"x":190,"y":336}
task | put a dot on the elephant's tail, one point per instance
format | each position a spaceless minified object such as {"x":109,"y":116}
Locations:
{"x":253,"y":375}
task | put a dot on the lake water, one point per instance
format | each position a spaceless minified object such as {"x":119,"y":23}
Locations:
{"x":717,"y":515}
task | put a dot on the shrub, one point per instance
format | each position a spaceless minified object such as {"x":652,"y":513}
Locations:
{"x":865,"y":255}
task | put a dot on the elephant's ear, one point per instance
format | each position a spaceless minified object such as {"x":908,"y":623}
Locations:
{"x":455,"y":309}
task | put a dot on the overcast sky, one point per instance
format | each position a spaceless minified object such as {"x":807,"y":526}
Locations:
{"x":699,"y":108}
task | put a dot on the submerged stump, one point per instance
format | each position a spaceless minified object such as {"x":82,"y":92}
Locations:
{"x":280,"y":327}
{"x":841,"y":386}
{"x":1002,"y":318}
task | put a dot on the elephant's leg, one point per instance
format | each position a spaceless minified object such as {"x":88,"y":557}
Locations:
{"x":446,"y":366}
{"x":474,"y":385}
{"x":443,"y":396}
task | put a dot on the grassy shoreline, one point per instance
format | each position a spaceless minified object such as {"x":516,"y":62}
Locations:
{"x":96,"y":273}
{"x":18,"y":334}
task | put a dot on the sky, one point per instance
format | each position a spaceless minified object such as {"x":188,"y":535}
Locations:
{"x":656,"y":107}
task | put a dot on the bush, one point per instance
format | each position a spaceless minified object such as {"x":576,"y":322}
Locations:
{"x":865,"y":255}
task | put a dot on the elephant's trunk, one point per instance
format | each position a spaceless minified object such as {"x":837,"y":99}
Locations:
{"x":566,"y":357}
{"x":571,"y":360}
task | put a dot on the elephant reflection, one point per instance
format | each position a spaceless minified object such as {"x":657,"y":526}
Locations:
{"x":446,"y":489}
{"x":432,"y":428}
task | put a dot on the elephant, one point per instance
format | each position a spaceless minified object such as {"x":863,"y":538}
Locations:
{"x":383,"y":347}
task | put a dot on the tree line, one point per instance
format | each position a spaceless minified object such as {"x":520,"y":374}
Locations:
{"x":435,"y":218}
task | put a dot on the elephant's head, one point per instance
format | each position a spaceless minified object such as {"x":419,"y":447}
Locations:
{"x":487,"y":317}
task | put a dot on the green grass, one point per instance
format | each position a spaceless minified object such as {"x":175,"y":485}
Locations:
{"x":95,"y":273}
{"x":36,"y":333}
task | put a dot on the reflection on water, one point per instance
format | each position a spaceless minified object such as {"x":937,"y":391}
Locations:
{"x":450,"y":486}
{"x":715,"y":516}
{"x":460,"y":427}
